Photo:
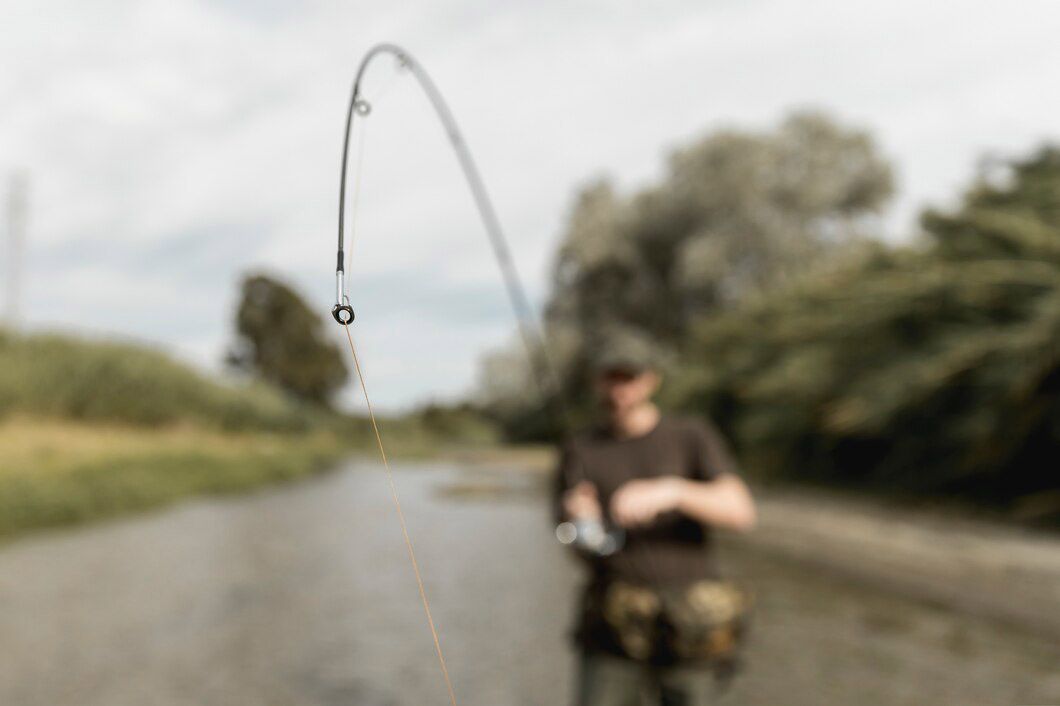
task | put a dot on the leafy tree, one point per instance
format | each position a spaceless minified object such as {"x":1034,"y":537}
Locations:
{"x":282,"y":341}
{"x":934,"y":368}
{"x":736,"y":214}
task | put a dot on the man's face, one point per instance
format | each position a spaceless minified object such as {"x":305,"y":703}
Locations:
{"x":620,"y":390}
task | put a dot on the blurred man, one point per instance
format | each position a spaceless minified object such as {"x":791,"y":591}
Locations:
{"x":639,"y":495}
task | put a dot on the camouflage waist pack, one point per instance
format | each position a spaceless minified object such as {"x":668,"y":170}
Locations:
{"x":701,"y":622}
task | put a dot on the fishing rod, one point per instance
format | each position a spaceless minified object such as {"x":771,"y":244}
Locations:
{"x":343,"y":313}
{"x":591,"y":536}
{"x":532,"y":337}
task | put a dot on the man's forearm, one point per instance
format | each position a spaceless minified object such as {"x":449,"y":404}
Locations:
{"x":723,"y":502}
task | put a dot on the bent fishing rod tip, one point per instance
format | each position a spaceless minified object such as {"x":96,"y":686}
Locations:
{"x":342,"y":311}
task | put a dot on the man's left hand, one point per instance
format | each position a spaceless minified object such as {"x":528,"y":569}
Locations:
{"x":639,"y":502}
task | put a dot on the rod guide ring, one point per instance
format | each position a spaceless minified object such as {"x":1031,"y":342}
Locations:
{"x":343,"y":314}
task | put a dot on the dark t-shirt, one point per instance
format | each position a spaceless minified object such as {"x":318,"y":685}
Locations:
{"x":674,"y":549}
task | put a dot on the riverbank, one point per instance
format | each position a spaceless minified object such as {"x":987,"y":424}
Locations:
{"x":941,"y":557}
{"x":959,"y":563}
{"x":57,"y":472}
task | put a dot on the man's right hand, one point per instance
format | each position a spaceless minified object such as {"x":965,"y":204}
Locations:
{"x":582,"y":502}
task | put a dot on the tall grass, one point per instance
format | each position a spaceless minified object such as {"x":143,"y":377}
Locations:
{"x":62,"y":377}
{"x":94,"y":429}
{"x":59,"y":472}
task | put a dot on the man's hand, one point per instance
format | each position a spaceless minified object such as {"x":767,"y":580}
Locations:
{"x":639,"y":502}
{"x":724,"y":502}
{"x":582,"y":502}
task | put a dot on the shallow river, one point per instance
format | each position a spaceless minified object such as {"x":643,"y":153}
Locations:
{"x":303,"y":595}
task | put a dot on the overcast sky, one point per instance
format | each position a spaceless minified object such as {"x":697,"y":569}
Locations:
{"x":173,"y":145}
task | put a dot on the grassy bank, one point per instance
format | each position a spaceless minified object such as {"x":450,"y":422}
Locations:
{"x":55,"y":472}
{"x":94,"y":429}
{"x":63,"y":377}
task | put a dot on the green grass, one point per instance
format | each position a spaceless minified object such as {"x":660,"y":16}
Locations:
{"x":90,"y":430}
{"x":95,"y":429}
{"x":49,"y":375}
{"x":61,"y":473}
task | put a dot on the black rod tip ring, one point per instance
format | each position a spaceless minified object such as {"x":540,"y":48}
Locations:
{"x":343,"y":314}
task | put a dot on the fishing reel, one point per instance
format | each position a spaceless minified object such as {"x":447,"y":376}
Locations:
{"x":591,"y":536}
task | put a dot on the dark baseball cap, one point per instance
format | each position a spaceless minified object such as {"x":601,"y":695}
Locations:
{"x":623,"y":350}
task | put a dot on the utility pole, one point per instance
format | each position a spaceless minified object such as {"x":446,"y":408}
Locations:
{"x":17,"y":213}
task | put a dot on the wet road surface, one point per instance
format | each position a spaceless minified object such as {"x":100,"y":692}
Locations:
{"x":302,"y":595}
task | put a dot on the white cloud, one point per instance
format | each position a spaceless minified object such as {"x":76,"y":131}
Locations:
{"x":173,"y":145}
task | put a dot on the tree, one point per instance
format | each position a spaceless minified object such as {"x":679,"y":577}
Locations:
{"x":281,"y":340}
{"x":933,"y":368}
{"x":737,"y":213}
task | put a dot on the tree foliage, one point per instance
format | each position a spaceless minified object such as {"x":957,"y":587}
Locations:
{"x":736,"y":213}
{"x":928,"y":369}
{"x":54,"y":376}
{"x":281,"y":340}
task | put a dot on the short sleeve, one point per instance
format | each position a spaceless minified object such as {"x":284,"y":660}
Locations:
{"x":711,"y":454}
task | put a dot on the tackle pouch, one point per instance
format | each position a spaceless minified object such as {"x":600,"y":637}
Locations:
{"x":702,"y":622}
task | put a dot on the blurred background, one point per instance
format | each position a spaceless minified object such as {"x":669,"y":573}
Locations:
{"x":841,"y":222}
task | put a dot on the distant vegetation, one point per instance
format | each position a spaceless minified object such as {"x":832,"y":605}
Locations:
{"x":55,"y":472}
{"x":63,"y":377}
{"x":826,"y":354}
{"x":736,"y":214}
{"x":281,"y":341}
{"x":92,"y":429}
{"x":932,"y":369}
